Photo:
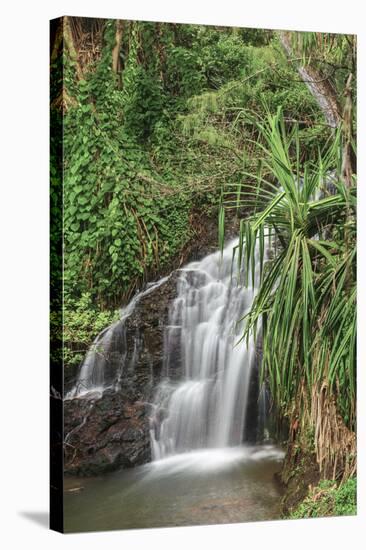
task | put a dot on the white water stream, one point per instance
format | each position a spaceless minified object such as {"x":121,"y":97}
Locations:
{"x":103,"y":365}
{"x":207,"y":407}
{"x":202,"y":401}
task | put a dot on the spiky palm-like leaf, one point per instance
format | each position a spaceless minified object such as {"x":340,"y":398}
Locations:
{"x":306,"y":302}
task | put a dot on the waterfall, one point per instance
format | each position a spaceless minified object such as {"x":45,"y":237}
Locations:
{"x":207,"y":407}
{"x":203,"y":397}
{"x":106,"y":359}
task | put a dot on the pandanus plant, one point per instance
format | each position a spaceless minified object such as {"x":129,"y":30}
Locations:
{"x":306,"y":302}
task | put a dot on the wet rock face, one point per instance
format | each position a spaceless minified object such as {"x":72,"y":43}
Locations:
{"x":109,"y":431}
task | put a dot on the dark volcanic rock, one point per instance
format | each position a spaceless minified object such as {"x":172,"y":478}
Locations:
{"x":109,"y":431}
{"x":105,"y":434}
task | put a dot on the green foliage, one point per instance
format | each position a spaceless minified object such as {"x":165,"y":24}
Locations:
{"x":115,"y":229}
{"x":175,"y":132}
{"x":306,"y":302}
{"x":82,"y":322}
{"x":127,"y":194}
{"x":333,"y":56}
{"x":225,"y":119}
{"x":142,"y":96}
{"x":56,"y":200}
{"x":329,"y":499}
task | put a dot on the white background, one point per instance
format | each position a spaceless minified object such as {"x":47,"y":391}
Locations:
{"x":24,"y":273}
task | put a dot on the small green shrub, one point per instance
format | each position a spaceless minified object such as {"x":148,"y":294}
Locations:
{"x":82,"y":322}
{"x":329,"y":499}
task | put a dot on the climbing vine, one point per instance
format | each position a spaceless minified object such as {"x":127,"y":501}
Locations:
{"x":156,"y":126}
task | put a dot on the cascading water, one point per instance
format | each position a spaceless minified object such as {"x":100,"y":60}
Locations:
{"x":207,"y":407}
{"x":204,"y":409}
{"x":106,"y":359}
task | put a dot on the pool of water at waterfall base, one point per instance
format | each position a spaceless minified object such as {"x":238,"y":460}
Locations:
{"x":212,"y":486}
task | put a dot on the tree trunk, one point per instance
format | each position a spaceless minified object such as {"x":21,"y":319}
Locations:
{"x":319,"y":86}
{"x":117,"y":47}
{"x":69,"y":42}
{"x":349,"y":159}
{"x":56,"y":41}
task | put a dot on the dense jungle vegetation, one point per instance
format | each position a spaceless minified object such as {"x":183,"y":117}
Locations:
{"x":166,"y":126}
